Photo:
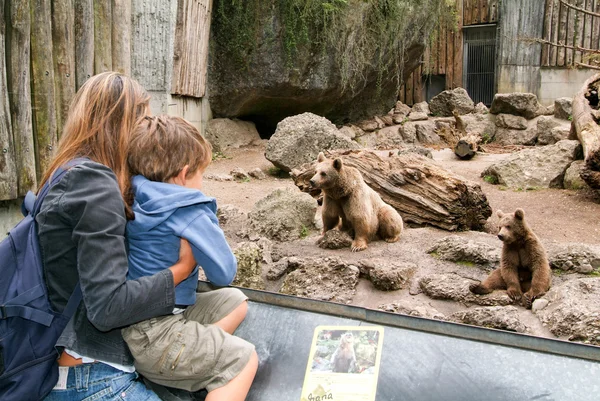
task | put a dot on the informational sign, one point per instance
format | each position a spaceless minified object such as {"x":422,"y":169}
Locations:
{"x":343,"y":364}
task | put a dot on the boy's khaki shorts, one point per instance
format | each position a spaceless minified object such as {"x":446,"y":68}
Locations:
{"x":187,"y":351}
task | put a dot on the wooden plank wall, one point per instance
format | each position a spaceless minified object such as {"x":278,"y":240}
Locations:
{"x":190,"y":58}
{"x":48,"y":49}
{"x":570,"y":28}
{"x":444,"y":55}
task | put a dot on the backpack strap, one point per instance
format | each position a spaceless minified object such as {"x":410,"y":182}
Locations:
{"x":16,"y":307}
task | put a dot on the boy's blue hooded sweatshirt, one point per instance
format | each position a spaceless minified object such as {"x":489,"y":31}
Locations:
{"x":164,"y":213}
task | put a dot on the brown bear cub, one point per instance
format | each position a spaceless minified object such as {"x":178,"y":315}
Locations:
{"x":348,"y":198}
{"x":524,"y":269}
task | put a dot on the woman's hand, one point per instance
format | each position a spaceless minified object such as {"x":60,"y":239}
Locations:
{"x":185,"y":265}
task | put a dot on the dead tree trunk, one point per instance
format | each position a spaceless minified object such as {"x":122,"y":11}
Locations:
{"x":64,"y":58}
{"x":585,"y":103}
{"x":423,"y":192}
{"x":84,"y":40}
{"x":467,"y":146}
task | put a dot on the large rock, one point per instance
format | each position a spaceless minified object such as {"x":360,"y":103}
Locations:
{"x":421,"y":107}
{"x":460,"y":250}
{"x":299,"y":139}
{"x":283,"y":215}
{"x":325,"y":279}
{"x":540,"y":167}
{"x":387,"y":276}
{"x":506,"y":136}
{"x":223,"y":133}
{"x":519,"y":104}
{"x":496,"y":317}
{"x":425,"y":133}
{"x":551,"y":130}
{"x":578,"y":258}
{"x":563,"y":108}
{"x":456,"y":99}
{"x":456,"y":288}
{"x":418,"y":311}
{"x":573,"y":311}
{"x":267,"y":61}
{"x":510,"y":121}
{"x":573,"y":178}
{"x":482,"y":124}
{"x":249,"y":259}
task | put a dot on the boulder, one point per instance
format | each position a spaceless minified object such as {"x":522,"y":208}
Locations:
{"x":456,"y":99}
{"x":257,"y":173}
{"x":388,"y":138}
{"x":425,"y":133}
{"x":540,"y":167}
{"x":325,"y":279}
{"x":418,"y":311}
{"x":282,"y":267}
{"x":573,"y":311}
{"x":483,"y":125}
{"x":283,"y":215}
{"x":506,"y":136}
{"x":420,"y":150}
{"x":228,"y":213}
{"x":519,"y":104}
{"x":223,"y":133}
{"x":300,"y":138}
{"x":239,"y":173}
{"x":510,"y":121}
{"x":368,"y":125}
{"x":456,"y":288}
{"x":551,"y":130}
{"x":460,"y":250}
{"x":219,"y":177}
{"x":481,"y":108}
{"x":270,"y":60}
{"x":573,"y":178}
{"x":387,"y":276}
{"x":578,"y":258}
{"x":421,"y":107}
{"x":401,"y":109}
{"x":417,"y":116}
{"x":387,"y":120}
{"x":335,"y":239}
{"x":249,"y":259}
{"x":496,"y":317}
{"x":563,"y":108}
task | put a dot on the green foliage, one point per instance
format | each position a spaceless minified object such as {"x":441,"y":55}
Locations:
{"x":486,"y":138}
{"x":570,"y":118}
{"x":304,"y":231}
{"x":465,"y":263}
{"x":490,"y":179}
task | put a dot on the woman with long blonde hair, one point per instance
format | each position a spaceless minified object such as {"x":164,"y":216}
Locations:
{"x":81,"y":228}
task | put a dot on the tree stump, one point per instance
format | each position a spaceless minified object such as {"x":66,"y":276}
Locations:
{"x":467,"y":146}
{"x":585,"y":107}
{"x":422,"y":191}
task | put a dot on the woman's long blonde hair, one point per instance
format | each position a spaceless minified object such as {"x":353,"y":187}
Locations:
{"x":101,"y":118}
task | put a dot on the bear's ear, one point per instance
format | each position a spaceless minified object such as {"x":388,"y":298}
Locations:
{"x":499,"y":213}
{"x":321,"y":157}
{"x":519,"y":214}
{"x":337,"y":163}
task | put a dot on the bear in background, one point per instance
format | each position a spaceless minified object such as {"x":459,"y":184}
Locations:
{"x":524,"y":269}
{"x":347,"y":198}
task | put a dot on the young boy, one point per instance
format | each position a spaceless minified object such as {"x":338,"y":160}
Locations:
{"x":193,"y":348}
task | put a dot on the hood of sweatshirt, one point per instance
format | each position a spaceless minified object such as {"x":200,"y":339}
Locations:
{"x":155,"y":202}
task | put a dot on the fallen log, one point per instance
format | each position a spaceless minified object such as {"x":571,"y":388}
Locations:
{"x":585,"y":105}
{"x":467,"y":146}
{"x":422,"y":191}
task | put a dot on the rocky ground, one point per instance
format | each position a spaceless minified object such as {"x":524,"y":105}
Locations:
{"x":425,"y":273}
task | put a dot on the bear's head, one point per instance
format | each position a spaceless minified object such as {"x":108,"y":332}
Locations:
{"x":327,"y":172}
{"x":513,"y":227}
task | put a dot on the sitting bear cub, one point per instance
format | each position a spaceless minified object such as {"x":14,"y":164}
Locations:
{"x":347,"y":197}
{"x":524,"y":269}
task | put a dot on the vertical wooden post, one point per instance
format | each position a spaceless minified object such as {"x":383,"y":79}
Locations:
{"x":587,"y":38}
{"x":547,"y":31}
{"x":42,"y":88}
{"x":84,"y":40}
{"x":562,"y":35}
{"x":19,"y":91}
{"x":102,"y":36}
{"x":64,"y":58}
{"x":553,"y":53}
{"x":458,"y":48}
{"x":121,"y":36}
{"x":8,"y":171}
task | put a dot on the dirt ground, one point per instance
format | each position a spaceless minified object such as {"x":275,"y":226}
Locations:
{"x":556,"y":215}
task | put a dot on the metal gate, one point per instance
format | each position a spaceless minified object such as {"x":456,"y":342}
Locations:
{"x":479,"y":72}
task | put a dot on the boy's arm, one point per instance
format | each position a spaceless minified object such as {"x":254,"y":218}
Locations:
{"x":211,"y":250}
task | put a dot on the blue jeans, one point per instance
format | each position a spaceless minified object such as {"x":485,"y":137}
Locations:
{"x":98,"y":381}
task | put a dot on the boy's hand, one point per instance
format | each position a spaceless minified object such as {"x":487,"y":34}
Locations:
{"x":185,"y":265}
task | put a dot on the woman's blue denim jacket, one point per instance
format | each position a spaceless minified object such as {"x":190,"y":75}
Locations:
{"x":81,"y":228}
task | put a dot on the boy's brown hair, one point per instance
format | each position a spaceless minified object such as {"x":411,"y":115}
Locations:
{"x":161,"y":146}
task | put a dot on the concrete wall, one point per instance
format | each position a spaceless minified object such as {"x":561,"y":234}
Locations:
{"x":561,"y":82}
